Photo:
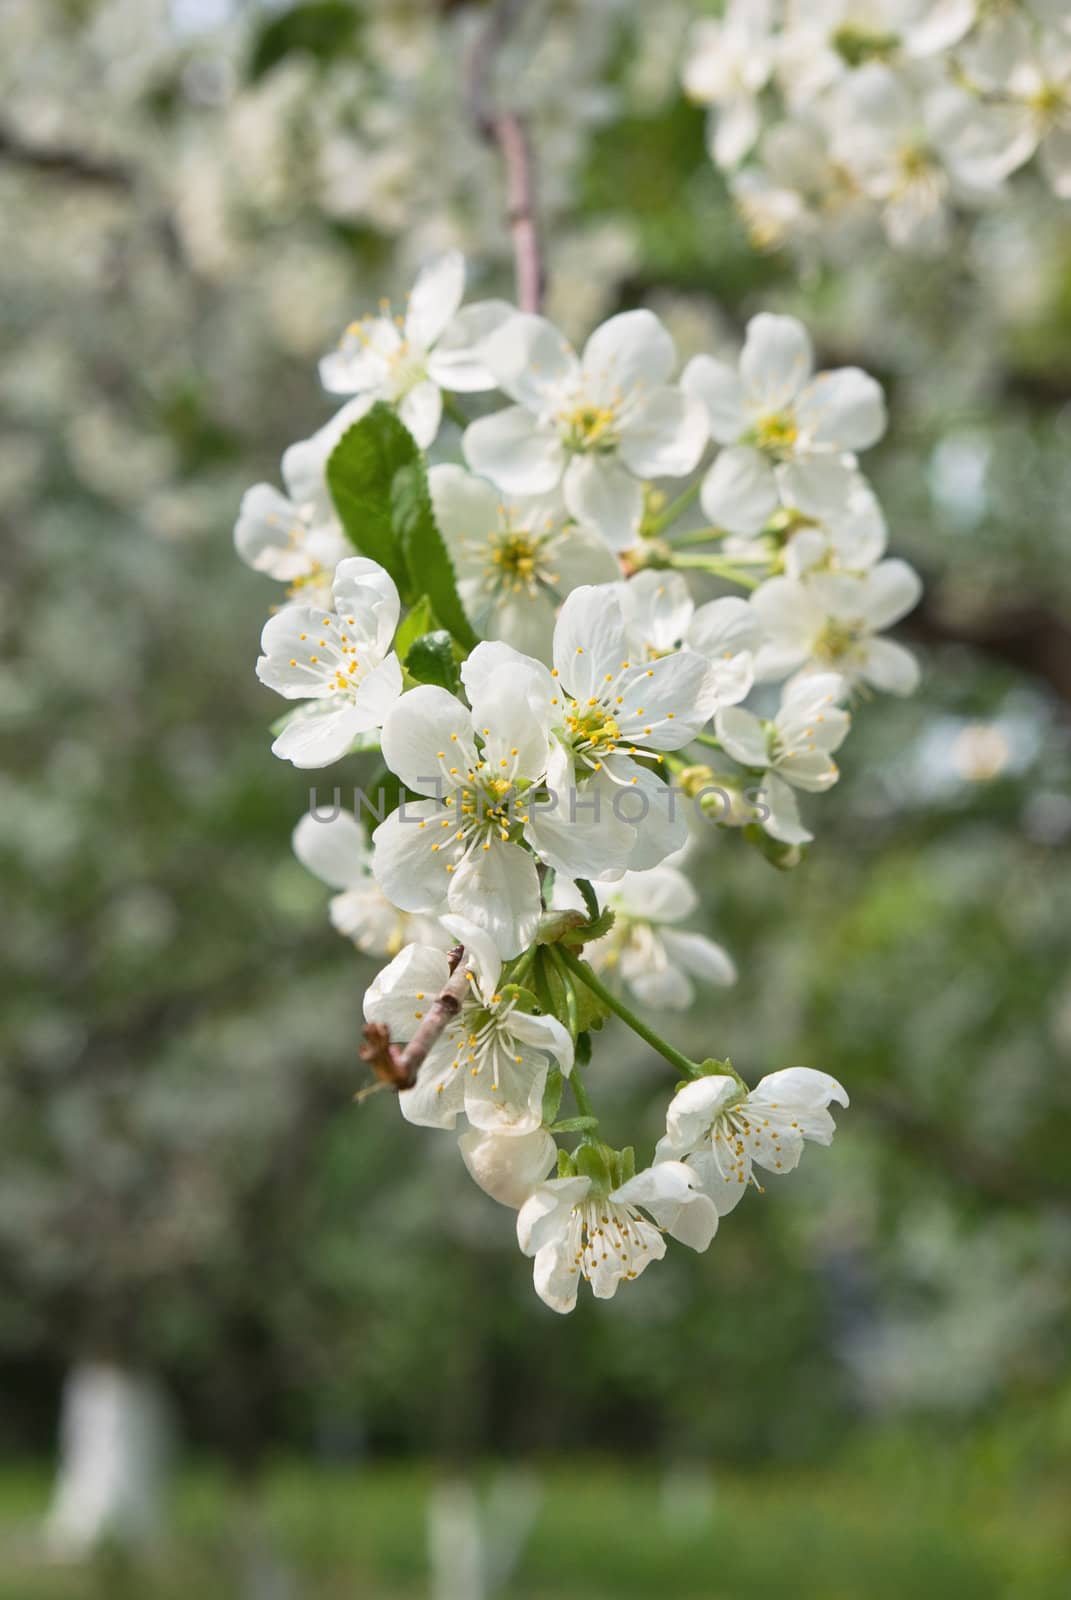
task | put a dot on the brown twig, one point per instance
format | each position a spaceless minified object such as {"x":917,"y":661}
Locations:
{"x":397,"y":1068}
{"x":507,"y":131}
{"x":63,"y":162}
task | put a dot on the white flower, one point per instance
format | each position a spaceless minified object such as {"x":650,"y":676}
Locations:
{"x":655,"y":959}
{"x":720,"y":1130}
{"x":795,"y":749}
{"x":826,"y":41}
{"x":490,"y":1061}
{"x":915,"y":150}
{"x":662,"y":617}
{"x":829,"y":623}
{"x":852,"y":540}
{"x":274,"y":536}
{"x":471,"y":846}
{"x":515,"y":559}
{"x":604,"y":708}
{"x":789,"y":434}
{"x":408,"y":361}
{"x":334,"y":848}
{"x":1028,"y":72}
{"x":597,"y":424}
{"x":340,"y":662}
{"x":296,"y":537}
{"x":573,"y":1230}
{"x":508,"y":1166}
{"x":728,"y":65}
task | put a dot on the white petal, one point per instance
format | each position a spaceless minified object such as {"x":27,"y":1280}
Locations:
{"x":582,"y":833}
{"x":333,"y":848}
{"x":889,"y":667}
{"x":657,"y":810}
{"x":366,"y":599}
{"x":657,"y":607}
{"x":556,"y":1278}
{"x":589,"y":640}
{"x":670,"y":1192}
{"x":378,"y":692}
{"x":320,"y":733}
{"x":466,"y":511}
{"x":663,"y":894}
{"x":483,"y":665}
{"x":428,"y":732}
{"x":718,"y":387}
{"x":890,"y":590}
{"x":691,"y":1112}
{"x":456,"y":363}
{"x":819,"y":486}
{"x":1056,"y":161}
{"x":743,"y":736}
{"x":482,"y":957}
{"x":733,"y":130}
{"x":498,"y":890}
{"x":438,"y":1096}
{"x":664,"y":435}
{"x":783,"y":822}
{"x":421,"y":410}
{"x":530,"y":359}
{"x":629,"y":351}
{"x":666,"y":990}
{"x":269,"y":534}
{"x":739,"y":492}
{"x":408,"y":859}
{"x":700,"y":956}
{"x":775,"y":363}
{"x":507,"y":1167}
{"x":545,"y":1214}
{"x":435,"y":298}
{"x":844,"y":410}
{"x":396,"y":995}
{"x":515,"y":451}
{"x":602,"y":494}
{"x":662,"y":709}
{"x":724,"y":628}
{"x":547,"y":1034}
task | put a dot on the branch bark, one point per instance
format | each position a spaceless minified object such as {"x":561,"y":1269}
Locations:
{"x":507,"y":130}
{"x":61,"y":162}
{"x":397,"y":1068}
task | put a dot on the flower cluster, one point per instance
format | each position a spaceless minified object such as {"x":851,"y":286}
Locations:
{"x":558,"y":717}
{"x":900,"y":109}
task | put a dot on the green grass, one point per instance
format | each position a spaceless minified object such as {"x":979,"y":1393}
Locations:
{"x":906,"y":1524}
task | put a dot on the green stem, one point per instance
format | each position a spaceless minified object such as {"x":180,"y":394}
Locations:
{"x":699,"y":536}
{"x":709,"y":739}
{"x":620,"y":1009}
{"x":580,"y":1094}
{"x":454,"y":411}
{"x":718,"y":568}
{"x":523,"y":965}
{"x":673,"y":510}
{"x":572,"y":1017}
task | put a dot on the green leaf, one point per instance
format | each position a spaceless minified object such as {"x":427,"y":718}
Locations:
{"x":575,"y":1125}
{"x":380,"y":489}
{"x":324,"y":29}
{"x":583,"y":1049}
{"x":424,"y":551}
{"x":421,"y":619}
{"x":575,"y":938}
{"x":552,"y":1094}
{"x":431,"y":659}
{"x":360,"y":475}
{"x":590,"y":898}
{"x":548,"y":981}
